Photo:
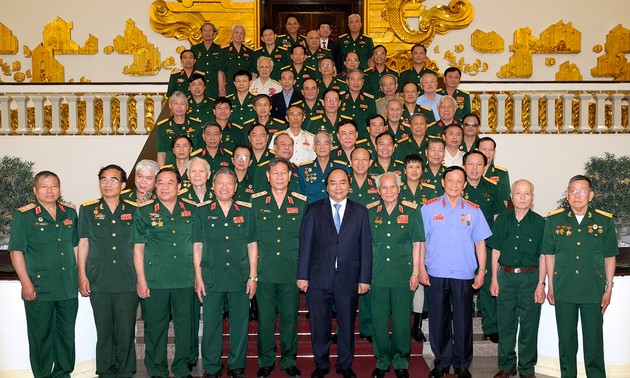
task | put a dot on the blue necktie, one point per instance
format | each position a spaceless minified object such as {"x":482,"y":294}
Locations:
{"x":337,"y":217}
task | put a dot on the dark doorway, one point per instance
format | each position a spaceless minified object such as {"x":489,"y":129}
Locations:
{"x":310,"y":14}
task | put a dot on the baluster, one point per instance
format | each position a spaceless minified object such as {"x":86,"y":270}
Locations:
{"x":22,"y":121}
{"x":38,"y":102}
{"x":157,"y":107}
{"x":5,"y":114}
{"x":140,"y":114}
{"x":534,"y":125}
{"x":124,"y":114}
{"x":55,"y":102}
{"x":73,"y":115}
{"x":517,"y":107}
{"x":501,"y":128}
{"x":106,"y":129}
{"x":600,"y":112}
{"x":484,"y":100}
{"x":617,"y":127}
{"x":585,"y":99}
{"x":551,"y":113}
{"x":89,"y":115}
{"x":567,"y":113}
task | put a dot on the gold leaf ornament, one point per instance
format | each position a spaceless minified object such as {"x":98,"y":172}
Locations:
{"x":182,"y":26}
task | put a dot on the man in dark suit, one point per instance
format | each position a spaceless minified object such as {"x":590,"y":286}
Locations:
{"x":326,"y":43}
{"x":335,"y":266}
{"x":281,"y":101}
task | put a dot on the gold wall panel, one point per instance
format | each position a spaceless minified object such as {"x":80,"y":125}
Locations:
{"x":183,"y":19}
{"x":613,"y":62}
{"x":490,"y":42}
{"x":57,"y":37}
{"x":559,"y":38}
{"x":471,"y":69}
{"x":146,"y":57}
{"x":46,"y":69}
{"x":568,"y":72}
{"x":9,"y":44}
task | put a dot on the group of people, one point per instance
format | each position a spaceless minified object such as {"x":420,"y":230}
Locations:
{"x":365,"y":190}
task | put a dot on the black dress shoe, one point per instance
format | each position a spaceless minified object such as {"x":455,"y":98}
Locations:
{"x":237,"y":373}
{"x":379,"y":373}
{"x":462,"y":373}
{"x":293,"y":371}
{"x":365,"y":337}
{"x":319,"y":373}
{"x":494,"y":337}
{"x":213,"y":375}
{"x":346,"y":372}
{"x":191,"y":366}
{"x":333,"y":338}
{"x":264,"y":371}
{"x":401,"y":373}
{"x":437,"y":372}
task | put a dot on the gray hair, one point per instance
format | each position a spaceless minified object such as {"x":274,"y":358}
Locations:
{"x":208,"y":23}
{"x":147,"y":165}
{"x":427,"y":74}
{"x":225,"y":171}
{"x":354,"y":15}
{"x":350,"y":72}
{"x":238,"y":25}
{"x":177,"y":94}
{"x":203,"y":161}
{"x":380,"y":178}
{"x":263,"y":58}
{"x":323,"y":133}
{"x":444,"y":98}
{"x":531,"y":186}
{"x":388,"y":75}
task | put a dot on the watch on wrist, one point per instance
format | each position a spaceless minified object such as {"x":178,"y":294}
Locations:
{"x":255,"y":279}
{"x":484,"y":270}
{"x":542,"y":283}
{"x":610,"y":283}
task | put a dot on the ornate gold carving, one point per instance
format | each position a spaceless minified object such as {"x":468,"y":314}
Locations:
{"x":558,"y":112}
{"x":492,"y":113}
{"x":132,"y":121}
{"x":146,"y":57}
{"x":436,"y":49}
{"x":46,"y":69}
{"x":115,"y":113}
{"x":525,"y":111}
{"x":401,"y":60}
{"x":490,"y":42}
{"x":597,"y":49}
{"x":559,"y":38}
{"x":149,"y":117}
{"x":542,"y":112}
{"x":568,"y":72}
{"x":550,"y":62}
{"x":57,"y":38}
{"x":471,"y":69}
{"x":613,"y":62}
{"x":509,"y":111}
{"x":575,"y":111}
{"x":183,"y":19}
{"x":9,"y":44}
{"x":520,"y":63}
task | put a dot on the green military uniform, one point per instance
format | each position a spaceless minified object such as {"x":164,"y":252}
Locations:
{"x":221,"y":159}
{"x":286,"y":41}
{"x":317,"y":109}
{"x":336,"y":84}
{"x":359,"y":110}
{"x":178,"y":81}
{"x":112,"y":277}
{"x":364,"y":194}
{"x":241,"y":111}
{"x":501,"y":176}
{"x":202,"y":111}
{"x":258,"y":163}
{"x":463,"y":102}
{"x":519,"y":244}
{"x":422,"y":194}
{"x":412,"y":76}
{"x":233,"y":61}
{"x":362,"y":45}
{"x":407,"y":146}
{"x":339,"y":156}
{"x":306,"y":72}
{"x":393,"y":236}
{"x":48,"y":247}
{"x":465,"y":148}
{"x":209,"y":62}
{"x":279,"y":55}
{"x":132,"y":196}
{"x":319,"y":123}
{"x":273,"y":126}
{"x":167,"y":130}
{"x":394,"y":166}
{"x":402,"y":131}
{"x":245,"y":189}
{"x":312,"y":178}
{"x":232,"y":136}
{"x":428,"y":177}
{"x":368,"y":145}
{"x":168,"y":265}
{"x":373,"y":80}
{"x":225,"y":270}
{"x":486,"y":195}
{"x":437,"y":129}
{"x":579,"y":281}
{"x":279,"y":235}
{"x":261,"y":183}
{"x":313,"y":58}
{"x":426,"y":112}
{"x":190,"y":194}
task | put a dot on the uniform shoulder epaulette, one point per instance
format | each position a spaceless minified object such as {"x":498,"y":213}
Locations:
{"x":67,"y":204}
{"x":490,"y":181}
{"x":194,"y":119}
{"x":229,"y":95}
{"x":147,"y":203}
{"x":204,"y":203}
{"x":299,"y":196}
{"x":368,"y":95}
{"x":403,"y":139}
{"x":372,"y":204}
{"x":176,"y":71}
{"x":340,"y":162}
{"x":258,"y":49}
{"x":279,"y":133}
{"x":343,"y":35}
{"x":162,"y":121}
{"x":410,"y":204}
{"x":249,"y":121}
{"x":281,"y":36}
{"x":26,"y":208}
{"x":244,"y":204}
{"x":398,"y":161}
{"x":196,"y":152}
{"x":188,"y":201}
{"x":466,"y":92}
{"x":285,"y":67}
{"x":264,"y":163}
{"x":259,"y":194}
{"x":430,"y":186}
{"x":200,"y":72}
{"x":282,"y":48}
{"x":361,"y":141}
{"x":500,"y":168}
{"x":429,"y":125}
{"x":474,"y":205}
{"x":604,"y":213}
{"x":299,"y":102}
{"x":325,"y":49}
{"x":426,"y":108}
{"x":310,"y":68}
{"x":272,"y":152}
{"x":432,"y":200}
{"x":367,"y":70}
{"x":556,"y":211}
{"x":182,"y":191}
{"x":227,"y":151}
{"x":169,"y":166}
{"x":237,"y":125}
{"x":130,"y":202}
{"x":345,"y":116}
{"x":315,"y":118}
{"x":125,"y":191}
{"x":92,"y":202}
{"x":279,"y":121}
{"x":405,"y":123}
{"x":309,"y":133}
{"x":305,"y":163}
{"x":225,"y":46}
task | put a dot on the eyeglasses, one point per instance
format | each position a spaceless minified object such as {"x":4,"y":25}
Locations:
{"x":105,"y":180}
{"x":471,"y":124}
{"x":331,"y":99}
{"x":379,"y":53}
{"x":326,"y":65}
{"x":352,"y":60}
{"x":241,"y":157}
{"x":579,"y":192}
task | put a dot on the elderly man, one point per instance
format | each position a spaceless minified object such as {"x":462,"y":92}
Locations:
{"x":351,"y":61}
{"x":264,"y":84}
{"x":357,"y":104}
{"x":347,"y":132}
{"x":314,"y":53}
{"x":312,"y":175}
{"x":236,"y":56}
{"x":418,"y":69}
{"x":216,"y":156}
{"x":580,"y":247}
{"x":328,"y":79}
{"x":446,"y":106}
{"x":395,"y":125}
{"x":178,"y":124}
{"x":434,"y":170}
{"x":166,"y":236}
{"x":293,"y":37}
{"x":232,"y":134}
{"x":208,"y":58}
{"x":281,"y":101}
{"x":452,"y":78}
{"x":356,"y":41}
{"x":416,"y":141}
{"x":300,"y":70}
{"x":375,"y":126}
{"x":385,"y":145}
{"x":397,"y":237}
{"x":388,"y":85}
{"x":331,"y":117}
{"x":104,"y":231}
{"x":410,"y":96}
{"x":199,"y":106}
{"x":178,"y":81}
{"x":312,"y":105}
{"x":144,"y":183}
{"x":500,"y":175}
{"x":278,"y":209}
{"x":471,"y":125}
{"x":373,"y":75}
{"x":362,"y":187}
{"x":453,"y":135}
{"x":226,"y":271}
{"x":269,"y":48}
{"x":262,"y":107}
{"x":303,"y":141}
{"x":518,"y":281}
{"x":429,"y":97}
{"x":43,"y":247}
{"x":452,"y":266}
{"x":241,"y":99}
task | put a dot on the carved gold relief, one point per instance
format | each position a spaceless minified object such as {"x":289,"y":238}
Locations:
{"x":183,"y":19}
{"x":559,"y":38}
{"x":471,"y":69}
{"x":46,"y":69}
{"x":597,"y":49}
{"x":401,"y":60}
{"x":146,"y":57}
{"x":57,"y":38}
{"x":490,"y":42}
{"x":613,"y":62}
{"x":568,"y":72}
{"x":549,"y":62}
{"x":525,"y":110}
{"x":520,"y":63}
{"x":9,"y":44}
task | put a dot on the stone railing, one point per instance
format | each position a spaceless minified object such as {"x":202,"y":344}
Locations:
{"x":120,"y":109}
